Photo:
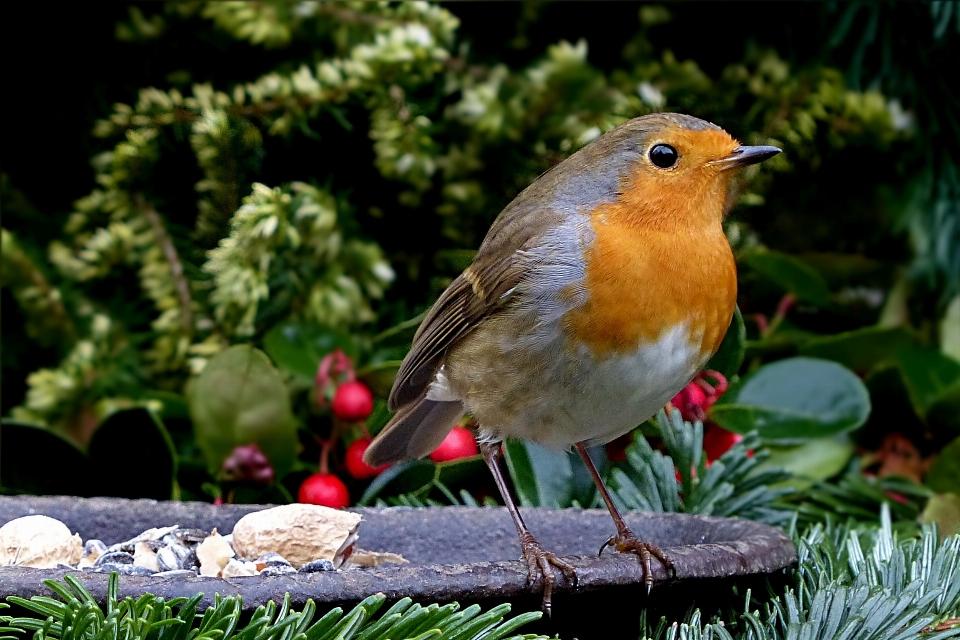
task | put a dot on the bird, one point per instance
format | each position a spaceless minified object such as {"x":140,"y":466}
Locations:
{"x":598,"y":293}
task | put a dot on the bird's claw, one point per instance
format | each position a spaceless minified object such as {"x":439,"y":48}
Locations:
{"x":540,"y":563}
{"x":627,"y":542}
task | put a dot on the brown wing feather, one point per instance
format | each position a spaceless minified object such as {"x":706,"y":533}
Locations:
{"x":473,"y":295}
{"x":453,"y":316}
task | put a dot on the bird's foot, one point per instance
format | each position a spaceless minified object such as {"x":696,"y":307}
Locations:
{"x":627,"y":542}
{"x":540,"y":563}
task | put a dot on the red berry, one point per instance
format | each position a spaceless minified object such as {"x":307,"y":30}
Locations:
{"x":356,"y":467}
{"x":352,"y":402}
{"x":717,"y":441}
{"x":324,"y":489}
{"x":690,"y":402}
{"x":459,"y":443}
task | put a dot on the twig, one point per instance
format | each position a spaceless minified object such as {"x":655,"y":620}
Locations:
{"x":180,"y":283}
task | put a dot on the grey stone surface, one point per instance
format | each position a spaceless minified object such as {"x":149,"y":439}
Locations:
{"x":455,"y":553}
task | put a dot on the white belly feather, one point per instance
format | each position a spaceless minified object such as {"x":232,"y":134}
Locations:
{"x":556,"y":395}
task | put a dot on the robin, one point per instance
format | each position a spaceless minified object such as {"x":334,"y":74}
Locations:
{"x":597,"y":295}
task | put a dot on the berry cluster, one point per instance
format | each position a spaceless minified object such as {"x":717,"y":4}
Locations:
{"x":351,"y":404}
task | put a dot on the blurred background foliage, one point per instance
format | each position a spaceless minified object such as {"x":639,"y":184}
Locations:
{"x":305,"y":177}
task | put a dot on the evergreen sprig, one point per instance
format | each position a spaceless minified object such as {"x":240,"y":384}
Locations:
{"x":77,"y":616}
{"x":853,"y":583}
{"x":855,"y":496}
{"x":734,"y":484}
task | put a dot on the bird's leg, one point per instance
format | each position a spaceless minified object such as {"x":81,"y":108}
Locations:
{"x":624,"y":540}
{"x":538,"y":560}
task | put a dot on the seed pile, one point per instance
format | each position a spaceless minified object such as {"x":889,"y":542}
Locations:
{"x":296,"y":538}
{"x":175,"y":551}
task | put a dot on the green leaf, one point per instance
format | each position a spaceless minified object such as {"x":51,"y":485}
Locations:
{"x":542,"y":477}
{"x":810,"y":461}
{"x":238,"y":399}
{"x":928,"y":374}
{"x":859,"y":350}
{"x":298,"y":347}
{"x":133,"y":456}
{"x":175,"y":405}
{"x":729,"y":356}
{"x":791,"y":274}
{"x":943,"y":509}
{"x":841,"y":269}
{"x":950,"y":330}
{"x":794,"y":399}
{"x":945,"y":410}
{"x":29,"y":453}
{"x":944,"y":473}
{"x":401,"y":333}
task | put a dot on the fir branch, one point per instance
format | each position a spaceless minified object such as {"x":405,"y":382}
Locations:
{"x":734,"y":485}
{"x":76,"y":616}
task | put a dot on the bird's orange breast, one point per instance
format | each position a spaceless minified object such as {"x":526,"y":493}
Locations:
{"x":650,"y":269}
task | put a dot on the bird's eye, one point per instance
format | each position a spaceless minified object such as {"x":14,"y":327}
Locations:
{"x":663,"y":156}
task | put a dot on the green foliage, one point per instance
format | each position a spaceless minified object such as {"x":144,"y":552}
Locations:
{"x":342,"y":162}
{"x":239,"y":398}
{"x":77,"y":616}
{"x":794,"y":398}
{"x":729,"y":356}
{"x":734,"y":484}
{"x":852,"y":582}
{"x":285,"y":244}
{"x":856,"y":497}
{"x":790,"y":274}
{"x":420,"y":483}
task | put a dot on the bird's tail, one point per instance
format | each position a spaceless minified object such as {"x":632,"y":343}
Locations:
{"x":414,"y":432}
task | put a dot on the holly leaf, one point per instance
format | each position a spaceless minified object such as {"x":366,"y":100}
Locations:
{"x":945,"y":511}
{"x":542,"y":477}
{"x":811,"y":461}
{"x":945,"y":410}
{"x":859,"y":350}
{"x":794,"y":399}
{"x":928,"y":375}
{"x":944,"y":474}
{"x":729,"y":356}
{"x":298,"y":347}
{"x":791,"y":274}
{"x":240,"y":398}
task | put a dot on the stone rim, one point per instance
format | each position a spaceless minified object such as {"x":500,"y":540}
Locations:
{"x":708,"y":549}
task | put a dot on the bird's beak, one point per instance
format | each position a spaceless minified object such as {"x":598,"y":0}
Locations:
{"x":743,"y":156}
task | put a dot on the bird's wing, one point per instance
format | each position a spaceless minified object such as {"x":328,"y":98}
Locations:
{"x":480,"y":291}
{"x":476,"y":293}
